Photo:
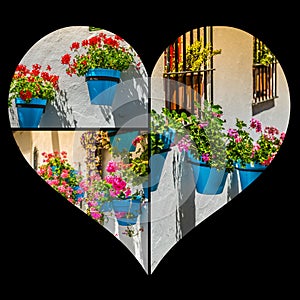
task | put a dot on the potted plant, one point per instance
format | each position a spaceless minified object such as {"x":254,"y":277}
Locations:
{"x":62,"y":176}
{"x":252,"y":148}
{"x":32,"y":89}
{"x":204,"y":143}
{"x":100,"y":59}
{"x":197,"y":56}
{"x":113,"y":193}
{"x":151,"y":149}
{"x":262,"y":54}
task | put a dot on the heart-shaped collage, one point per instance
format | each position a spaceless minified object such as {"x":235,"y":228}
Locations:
{"x":149,"y":156}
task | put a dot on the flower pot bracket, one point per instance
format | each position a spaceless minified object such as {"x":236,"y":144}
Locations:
{"x":30,"y":105}
{"x":96,"y":77}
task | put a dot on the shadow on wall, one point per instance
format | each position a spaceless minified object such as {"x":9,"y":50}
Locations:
{"x":58,"y":113}
{"x":130,"y":106}
{"x":187,"y":195}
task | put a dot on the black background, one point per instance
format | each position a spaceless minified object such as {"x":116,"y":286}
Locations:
{"x":248,"y":247}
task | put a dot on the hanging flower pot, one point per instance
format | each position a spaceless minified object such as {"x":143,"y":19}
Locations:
{"x":249,"y":173}
{"x":167,"y":137}
{"x":30,"y":113}
{"x":31,"y":90}
{"x":127,"y":210}
{"x":157,"y":161}
{"x":105,"y":206}
{"x":144,"y":216}
{"x":102,"y":84}
{"x":156,"y":164}
{"x":122,"y":139}
{"x":208,"y":180}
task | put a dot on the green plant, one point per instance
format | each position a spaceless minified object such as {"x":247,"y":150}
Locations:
{"x":204,"y":136}
{"x":197,"y":55}
{"x":35,"y":83}
{"x":103,"y":189}
{"x":94,"y":141}
{"x":262,"y":54}
{"x":147,"y":144}
{"x":103,"y":50}
{"x":62,"y":176}
{"x":253,"y":143}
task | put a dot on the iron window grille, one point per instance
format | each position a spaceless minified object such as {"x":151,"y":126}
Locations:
{"x":184,"y":88}
{"x":264,"y":73}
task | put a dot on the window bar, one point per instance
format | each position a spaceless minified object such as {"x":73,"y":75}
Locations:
{"x":274,"y":78}
{"x":269,"y":82}
{"x":260,"y":84}
{"x":176,"y":57}
{"x":264,"y":79}
{"x":192,"y":86}
{"x":254,"y":84}
{"x":205,"y":74}
{"x":272,"y":81}
{"x":184,"y":78}
{"x":211,"y":67}
{"x":167,"y":76}
{"x":199,"y":81}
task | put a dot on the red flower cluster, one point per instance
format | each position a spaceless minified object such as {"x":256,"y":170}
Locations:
{"x":35,"y":83}
{"x":107,"y":51}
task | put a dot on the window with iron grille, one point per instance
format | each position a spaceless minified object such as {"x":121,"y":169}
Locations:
{"x":188,"y":70}
{"x":264,"y":75}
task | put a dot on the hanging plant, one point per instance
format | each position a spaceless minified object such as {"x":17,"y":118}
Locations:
{"x":197,"y":56}
{"x":93,"y":142}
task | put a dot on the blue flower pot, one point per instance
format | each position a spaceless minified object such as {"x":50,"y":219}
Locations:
{"x":102,"y":84}
{"x":167,"y":137}
{"x":249,"y":173}
{"x":105,"y":206}
{"x":208,"y":180}
{"x":123,"y":141}
{"x":156,"y":164}
{"x":144,"y":217}
{"x":30,"y":114}
{"x":127,"y":210}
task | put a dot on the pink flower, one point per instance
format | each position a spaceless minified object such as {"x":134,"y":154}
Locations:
{"x":205,"y":157}
{"x":64,"y":174}
{"x":203,"y":124}
{"x":109,"y":179}
{"x":120,"y":214}
{"x":112,"y":166}
{"x":127,"y":192}
{"x":232,"y":133}
{"x":256,"y":124}
{"x":96,"y":214}
{"x":184,"y":144}
{"x":118,"y":183}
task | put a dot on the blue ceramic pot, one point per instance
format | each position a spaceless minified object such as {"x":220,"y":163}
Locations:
{"x":249,"y":173}
{"x":168,"y":137}
{"x":156,"y":164}
{"x":105,"y":206}
{"x":102,"y":84}
{"x":208,"y":180}
{"x":30,"y":114}
{"x":127,"y":210}
{"x":123,"y":141}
